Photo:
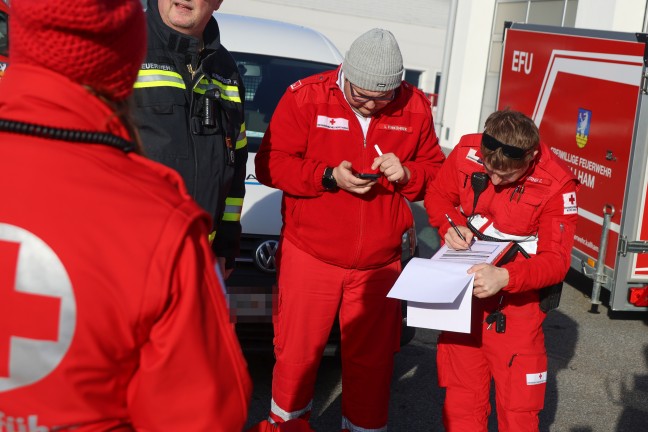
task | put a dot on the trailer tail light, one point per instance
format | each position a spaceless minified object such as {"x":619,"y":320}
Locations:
{"x":639,"y":296}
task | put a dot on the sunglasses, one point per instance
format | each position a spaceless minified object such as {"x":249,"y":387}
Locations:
{"x":360,"y":98}
{"x":509,"y":151}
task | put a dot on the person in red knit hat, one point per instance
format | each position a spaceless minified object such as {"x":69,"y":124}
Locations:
{"x":112,"y":315}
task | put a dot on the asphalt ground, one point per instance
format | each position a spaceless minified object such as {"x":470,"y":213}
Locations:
{"x":597,"y":377}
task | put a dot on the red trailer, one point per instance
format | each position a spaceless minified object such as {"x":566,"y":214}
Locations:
{"x":586,"y":90}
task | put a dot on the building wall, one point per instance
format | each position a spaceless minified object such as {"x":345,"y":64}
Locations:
{"x":469,"y":59}
{"x":619,"y":15}
{"x":419,"y":25}
{"x":460,"y":105}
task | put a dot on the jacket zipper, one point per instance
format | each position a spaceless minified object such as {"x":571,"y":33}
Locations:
{"x":362,"y":202}
{"x":193,"y":144}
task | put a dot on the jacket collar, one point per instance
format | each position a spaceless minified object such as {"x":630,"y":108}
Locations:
{"x":56,"y":101}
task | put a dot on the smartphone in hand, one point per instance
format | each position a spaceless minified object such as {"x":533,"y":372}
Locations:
{"x":369,"y":176}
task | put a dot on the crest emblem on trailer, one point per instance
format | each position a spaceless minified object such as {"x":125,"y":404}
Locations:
{"x":583,"y":126}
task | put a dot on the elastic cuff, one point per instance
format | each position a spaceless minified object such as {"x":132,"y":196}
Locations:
{"x":512,"y":279}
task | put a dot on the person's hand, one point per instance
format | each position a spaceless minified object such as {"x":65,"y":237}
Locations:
{"x":347,"y":180}
{"x":453,"y":240}
{"x":224,"y":271}
{"x":391,"y":167}
{"x":489,"y":280}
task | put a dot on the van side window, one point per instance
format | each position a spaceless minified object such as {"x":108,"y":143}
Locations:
{"x":266,"y":79}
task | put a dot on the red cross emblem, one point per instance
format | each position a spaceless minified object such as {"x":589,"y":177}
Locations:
{"x":332,"y":121}
{"x":572,"y":199}
{"x":25,"y":315}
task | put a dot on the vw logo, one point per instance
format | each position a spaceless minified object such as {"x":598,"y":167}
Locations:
{"x":265,"y":256}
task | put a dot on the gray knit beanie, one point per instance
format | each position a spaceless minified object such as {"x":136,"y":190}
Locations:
{"x":374,"y":61}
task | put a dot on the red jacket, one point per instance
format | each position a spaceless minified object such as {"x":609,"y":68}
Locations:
{"x":543,"y":215}
{"x":314,"y":127}
{"x":110,"y":311}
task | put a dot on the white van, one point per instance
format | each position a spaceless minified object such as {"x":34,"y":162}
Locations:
{"x":271,"y":55}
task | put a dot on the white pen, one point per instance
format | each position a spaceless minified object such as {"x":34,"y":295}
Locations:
{"x":378,"y":150}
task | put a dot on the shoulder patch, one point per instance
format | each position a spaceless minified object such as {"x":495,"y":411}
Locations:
{"x":569,"y":203}
{"x":472,"y":156}
{"x":297,"y":84}
{"x":470,"y":140}
{"x":306,"y":81}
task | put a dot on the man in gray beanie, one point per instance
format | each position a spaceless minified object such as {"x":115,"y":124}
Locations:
{"x":346,"y":147}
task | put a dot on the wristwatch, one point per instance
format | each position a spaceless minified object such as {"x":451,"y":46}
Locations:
{"x":328,"y":181}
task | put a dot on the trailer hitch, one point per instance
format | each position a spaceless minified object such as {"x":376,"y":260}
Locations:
{"x":637,"y":246}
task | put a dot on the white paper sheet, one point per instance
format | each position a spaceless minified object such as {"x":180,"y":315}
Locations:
{"x":431,"y":281}
{"x":453,"y":316}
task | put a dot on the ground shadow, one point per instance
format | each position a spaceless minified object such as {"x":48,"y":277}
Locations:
{"x":561,"y":335}
{"x":416,"y":400}
{"x":634,"y":400}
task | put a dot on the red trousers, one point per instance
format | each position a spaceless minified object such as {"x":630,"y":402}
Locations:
{"x":312,"y":294}
{"x":515,"y":359}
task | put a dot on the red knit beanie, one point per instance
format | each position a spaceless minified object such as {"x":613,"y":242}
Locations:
{"x":98,"y":43}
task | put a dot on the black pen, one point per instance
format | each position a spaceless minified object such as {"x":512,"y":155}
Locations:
{"x":454,"y":226}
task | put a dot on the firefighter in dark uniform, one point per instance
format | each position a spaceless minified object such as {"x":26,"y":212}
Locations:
{"x":189,"y":97}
